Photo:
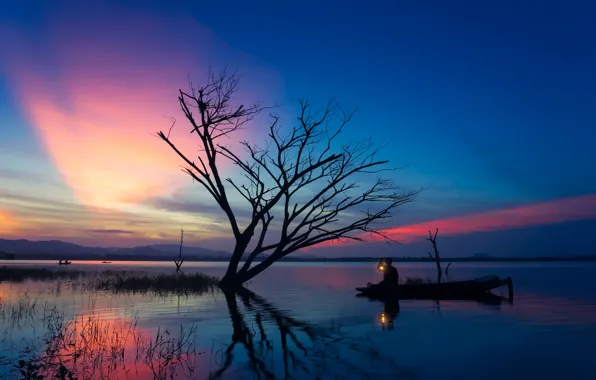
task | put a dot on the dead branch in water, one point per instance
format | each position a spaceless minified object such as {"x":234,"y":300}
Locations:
{"x":436,"y":258}
{"x":180,"y":260}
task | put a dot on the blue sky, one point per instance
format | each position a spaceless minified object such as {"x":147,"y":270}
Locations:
{"x":490,"y":105}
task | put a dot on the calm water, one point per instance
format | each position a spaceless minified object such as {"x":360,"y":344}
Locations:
{"x":304,"y":320}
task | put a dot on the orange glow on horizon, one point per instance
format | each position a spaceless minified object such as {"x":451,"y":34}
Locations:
{"x":8,"y":224}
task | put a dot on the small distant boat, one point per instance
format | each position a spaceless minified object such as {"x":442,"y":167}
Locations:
{"x":455,"y":290}
{"x":6,"y":256}
{"x":64,"y":262}
{"x":106,"y":262}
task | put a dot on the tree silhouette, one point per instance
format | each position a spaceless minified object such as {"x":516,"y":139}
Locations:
{"x":436,"y":258}
{"x":180,"y":260}
{"x":307,"y":350}
{"x":305,"y":174}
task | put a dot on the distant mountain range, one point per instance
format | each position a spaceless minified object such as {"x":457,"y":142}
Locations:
{"x":56,"y":249}
{"x":60,"y":250}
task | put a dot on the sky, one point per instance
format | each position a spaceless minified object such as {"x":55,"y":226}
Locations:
{"x":488,"y":105}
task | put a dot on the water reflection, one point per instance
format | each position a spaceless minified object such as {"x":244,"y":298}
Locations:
{"x":391,"y":306}
{"x":97,"y":346}
{"x":313,"y":325}
{"x":307,"y":350}
{"x":266,"y":342}
{"x":389,"y":314}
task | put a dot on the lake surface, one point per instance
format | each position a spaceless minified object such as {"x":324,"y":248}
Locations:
{"x":302,"y":320}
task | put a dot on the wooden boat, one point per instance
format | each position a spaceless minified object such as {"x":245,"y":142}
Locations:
{"x":465,"y":290}
{"x":64,"y":262}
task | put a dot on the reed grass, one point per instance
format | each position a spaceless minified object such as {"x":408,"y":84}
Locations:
{"x":115,"y":281}
{"x":195,"y":283}
{"x":415,"y":281}
{"x":12,"y":274}
{"x":91,"y":347}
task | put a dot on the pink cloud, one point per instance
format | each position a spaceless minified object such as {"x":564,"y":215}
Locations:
{"x":551,"y":212}
{"x":556,"y":211}
{"x":97,"y":91}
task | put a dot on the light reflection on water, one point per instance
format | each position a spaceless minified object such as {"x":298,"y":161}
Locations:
{"x":548,"y":332}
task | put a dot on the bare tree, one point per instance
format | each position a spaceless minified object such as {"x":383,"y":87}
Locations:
{"x":436,"y":258}
{"x":313,"y":182}
{"x":178,"y":262}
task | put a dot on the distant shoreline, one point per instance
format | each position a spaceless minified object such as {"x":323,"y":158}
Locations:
{"x":58,"y":250}
{"x":32,"y":257}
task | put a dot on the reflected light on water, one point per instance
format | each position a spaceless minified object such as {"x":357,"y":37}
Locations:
{"x":267,"y":329}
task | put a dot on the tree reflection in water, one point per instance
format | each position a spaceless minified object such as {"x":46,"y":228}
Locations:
{"x":307,"y":350}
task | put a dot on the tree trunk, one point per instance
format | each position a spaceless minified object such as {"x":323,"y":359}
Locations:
{"x":230,"y":279}
{"x":436,"y":257}
{"x":257,"y":269}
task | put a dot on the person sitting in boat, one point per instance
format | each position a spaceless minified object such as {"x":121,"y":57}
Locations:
{"x":390,"y":274}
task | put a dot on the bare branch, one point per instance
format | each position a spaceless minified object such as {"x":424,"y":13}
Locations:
{"x":316,"y":184}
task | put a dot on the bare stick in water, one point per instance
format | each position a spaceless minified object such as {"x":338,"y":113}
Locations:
{"x":180,"y":259}
{"x":436,"y":258}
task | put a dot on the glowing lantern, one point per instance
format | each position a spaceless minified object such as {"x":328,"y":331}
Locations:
{"x":381,"y":264}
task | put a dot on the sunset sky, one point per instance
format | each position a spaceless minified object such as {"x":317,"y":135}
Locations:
{"x":489,"y":105}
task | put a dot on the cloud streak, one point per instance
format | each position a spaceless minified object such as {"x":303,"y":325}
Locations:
{"x":557,"y":211}
{"x":103,"y":231}
{"x":204,"y":208}
{"x":43,"y":216}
